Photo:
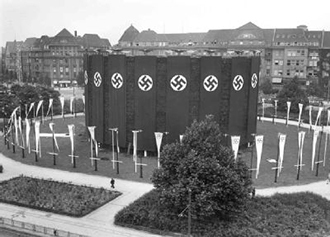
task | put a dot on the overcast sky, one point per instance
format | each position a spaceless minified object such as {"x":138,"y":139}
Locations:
{"x":20,"y":19}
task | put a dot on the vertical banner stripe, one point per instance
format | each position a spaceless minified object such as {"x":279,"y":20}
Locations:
{"x":86,"y":83}
{"x":253,"y":85}
{"x":210,"y":80}
{"x":116,"y":115}
{"x":145,"y":101}
{"x":97,"y":82}
{"x":177,"y":101}
{"x":239,"y":86}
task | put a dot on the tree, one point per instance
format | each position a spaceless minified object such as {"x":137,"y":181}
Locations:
{"x":266,"y":87}
{"x":293,"y":92}
{"x":314,"y":89}
{"x":219,"y":185}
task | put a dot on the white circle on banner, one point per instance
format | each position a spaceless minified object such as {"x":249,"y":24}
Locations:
{"x":178,"y":83}
{"x":254,"y":80}
{"x":210,"y":83}
{"x":117,"y":80}
{"x":145,"y":82}
{"x":86,"y":77}
{"x":97,"y":79}
{"x":238,"y":83}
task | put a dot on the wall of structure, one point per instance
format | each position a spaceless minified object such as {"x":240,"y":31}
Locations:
{"x":166,"y":94}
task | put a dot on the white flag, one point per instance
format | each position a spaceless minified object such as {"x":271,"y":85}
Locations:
{"x":21,"y":131}
{"x":51,"y":127}
{"x":288,"y":103}
{"x":83,"y":99}
{"x":159,"y":137}
{"x":325,"y":147}
{"x":281,"y":140}
{"x":259,"y":142}
{"x":50,"y":105}
{"x":135,"y":145}
{"x":62,"y":104}
{"x":27,"y":134}
{"x":38,"y":107}
{"x":181,"y":138}
{"x":71,"y":135}
{"x":37,"y":134}
{"x":300,"y":112}
{"x":31,"y":106}
{"x":71,"y":104}
{"x":315,"y":136}
{"x":301,"y":138}
{"x":235,"y":145}
{"x":91,"y":130}
{"x":318,"y":115}
{"x":328,"y":120}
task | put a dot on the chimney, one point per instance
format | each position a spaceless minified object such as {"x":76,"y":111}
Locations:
{"x":75,"y":33}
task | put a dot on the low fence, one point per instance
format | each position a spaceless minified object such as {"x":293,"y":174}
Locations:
{"x":36,"y":229}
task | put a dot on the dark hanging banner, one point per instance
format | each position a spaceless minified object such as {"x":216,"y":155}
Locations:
{"x":210,"y":80}
{"x":145,"y":101}
{"x":253,"y":98}
{"x":97,"y":81}
{"x":239,"y":86}
{"x":86,"y":83}
{"x":116,"y":113}
{"x":177,"y":101}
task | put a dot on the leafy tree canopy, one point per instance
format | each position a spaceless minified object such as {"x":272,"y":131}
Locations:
{"x":219,"y":185}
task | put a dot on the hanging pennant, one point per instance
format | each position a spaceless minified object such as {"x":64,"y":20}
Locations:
{"x":71,"y":104}
{"x":21,"y":131}
{"x":288,"y":103}
{"x":181,"y":138}
{"x":282,"y":139}
{"x":62,"y":105}
{"x":37,"y":137}
{"x":159,"y":137}
{"x":50,"y":105}
{"x":27,"y":134}
{"x":71,"y":135}
{"x":325,"y":147}
{"x":315,"y":136}
{"x":259,"y":143}
{"x":91,"y":130}
{"x":235,"y":145}
{"x":328,"y":120}
{"x":300,"y":112}
{"x":51,"y":127}
{"x":318,"y":116}
{"x":31,"y":107}
{"x":301,"y":139}
{"x":38,"y":107}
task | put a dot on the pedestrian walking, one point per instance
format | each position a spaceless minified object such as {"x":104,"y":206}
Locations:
{"x":112,"y":183}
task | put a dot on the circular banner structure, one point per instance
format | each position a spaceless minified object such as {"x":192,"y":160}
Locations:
{"x":254,"y":80}
{"x":210,"y":83}
{"x":97,"y":79}
{"x":178,"y":83}
{"x":238,"y":83}
{"x":145,"y":82}
{"x":86,"y":77}
{"x":117,"y":80}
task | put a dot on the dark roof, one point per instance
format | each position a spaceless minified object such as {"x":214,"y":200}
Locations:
{"x":148,"y":36}
{"x":183,"y":37}
{"x":64,"y":33}
{"x":218,"y":35}
{"x":249,"y":26}
{"x":290,"y":35}
{"x":13,"y":46}
{"x":29,"y":43}
{"x":64,"y":37}
{"x":129,"y":34}
{"x":106,"y":42}
{"x":326,"y":40}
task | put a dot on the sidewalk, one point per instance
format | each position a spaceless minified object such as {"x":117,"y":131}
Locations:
{"x":98,"y":223}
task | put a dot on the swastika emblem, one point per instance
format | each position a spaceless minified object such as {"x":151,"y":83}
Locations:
{"x":145,"y":82}
{"x":238,"y":83}
{"x":117,"y":80}
{"x":210,"y":83}
{"x":236,"y":140}
{"x":86,"y":77}
{"x":97,"y":79}
{"x":260,"y":140}
{"x":254,"y":80}
{"x":178,"y":83}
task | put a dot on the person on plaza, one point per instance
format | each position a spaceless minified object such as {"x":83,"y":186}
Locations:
{"x":112,"y":182}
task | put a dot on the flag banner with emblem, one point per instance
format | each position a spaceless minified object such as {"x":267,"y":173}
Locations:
{"x":27,"y":134}
{"x":310,"y":115}
{"x":325,"y":147}
{"x":145,"y":100}
{"x":319,"y":112}
{"x":51,"y":127}
{"x":37,"y":137}
{"x":159,"y":138}
{"x":96,"y":114}
{"x":238,"y":98}
{"x":91,"y":130}
{"x":31,"y":107}
{"x":135,"y":145}
{"x":328,"y":120}
{"x":315,"y":137}
{"x":62,"y":105}
{"x":288,"y":105}
{"x":281,"y":145}
{"x":259,"y":140}
{"x":50,"y":105}
{"x":210,"y":87}
{"x":301,"y":139}
{"x":300,"y":112}
{"x":177,"y":98}
{"x":86,"y":99}
{"x":116,"y":114}
{"x":71,"y":135}
{"x":38,"y":107}
{"x":253,"y":85}
{"x":235,"y":140}
{"x":71,"y":104}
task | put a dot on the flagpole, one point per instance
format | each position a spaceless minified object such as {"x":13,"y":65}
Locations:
{"x":278,"y":154}
{"x":318,"y":154}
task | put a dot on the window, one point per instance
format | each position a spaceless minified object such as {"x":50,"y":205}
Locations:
{"x":288,"y":72}
{"x":276,"y":62}
{"x":288,"y":63}
{"x":267,"y":71}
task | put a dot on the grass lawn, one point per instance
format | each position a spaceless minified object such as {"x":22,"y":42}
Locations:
{"x":126,"y":170}
{"x":53,"y":196}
